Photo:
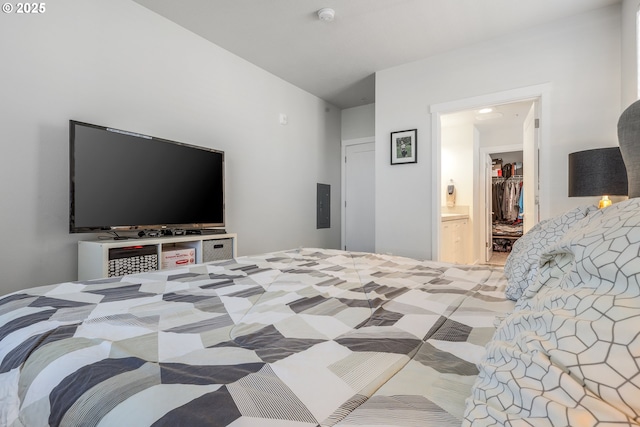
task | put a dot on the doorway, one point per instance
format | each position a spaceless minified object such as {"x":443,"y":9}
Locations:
{"x":489,"y":192}
{"x":504,"y":212}
{"x":532,"y":103}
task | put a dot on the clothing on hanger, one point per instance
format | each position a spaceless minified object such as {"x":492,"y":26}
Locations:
{"x":506,"y":199}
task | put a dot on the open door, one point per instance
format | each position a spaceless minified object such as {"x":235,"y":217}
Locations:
{"x":488,"y":203}
{"x":530,"y":176}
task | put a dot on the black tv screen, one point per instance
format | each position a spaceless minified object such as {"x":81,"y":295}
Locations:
{"x":122,"y":180}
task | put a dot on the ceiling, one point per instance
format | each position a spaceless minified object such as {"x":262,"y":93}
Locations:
{"x":337,"y":60}
{"x":501,"y":116}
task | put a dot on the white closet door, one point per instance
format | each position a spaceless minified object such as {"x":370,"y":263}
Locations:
{"x":360,"y":197}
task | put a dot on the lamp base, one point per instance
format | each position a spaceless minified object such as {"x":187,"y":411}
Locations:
{"x":604,"y":202}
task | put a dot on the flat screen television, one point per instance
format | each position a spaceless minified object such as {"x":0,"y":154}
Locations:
{"x":122,"y":180}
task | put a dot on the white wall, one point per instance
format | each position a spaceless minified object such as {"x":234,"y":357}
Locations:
{"x":629,"y":52}
{"x":358,"y":122}
{"x":508,"y":135}
{"x":116,"y":63}
{"x":579,"y":57}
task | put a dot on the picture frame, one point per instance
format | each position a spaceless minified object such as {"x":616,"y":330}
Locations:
{"x":404,"y":147}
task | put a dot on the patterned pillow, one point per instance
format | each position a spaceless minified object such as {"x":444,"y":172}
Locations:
{"x":569,"y":354}
{"x":521,"y":266}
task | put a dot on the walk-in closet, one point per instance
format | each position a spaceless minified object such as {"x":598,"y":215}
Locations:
{"x":507,"y":201}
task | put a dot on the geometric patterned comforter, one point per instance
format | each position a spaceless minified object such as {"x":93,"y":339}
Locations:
{"x":308,"y":337}
{"x":569,"y":353}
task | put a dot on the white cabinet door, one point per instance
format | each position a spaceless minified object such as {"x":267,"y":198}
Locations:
{"x":447,"y":238}
{"x":453,"y":235}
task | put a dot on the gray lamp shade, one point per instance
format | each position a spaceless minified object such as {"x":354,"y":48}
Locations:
{"x":598,"y":172}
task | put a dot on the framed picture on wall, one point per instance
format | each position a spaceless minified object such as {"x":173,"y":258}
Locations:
{"x":404,"y":147}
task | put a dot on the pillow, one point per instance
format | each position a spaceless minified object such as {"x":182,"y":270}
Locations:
{"x":521,"y":266}
{"x":569,"y":354}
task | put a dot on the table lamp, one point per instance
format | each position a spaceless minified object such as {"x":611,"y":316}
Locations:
{"x":597,"y":172}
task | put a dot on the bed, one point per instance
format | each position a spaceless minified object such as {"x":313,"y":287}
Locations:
{"x":298,"y":338}
{"x":320,"y":337}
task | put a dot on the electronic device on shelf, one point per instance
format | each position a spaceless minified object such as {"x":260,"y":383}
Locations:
{"x":126,"y":181}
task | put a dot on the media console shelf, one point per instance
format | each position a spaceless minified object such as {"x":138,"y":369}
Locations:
{"x":108,"y":258}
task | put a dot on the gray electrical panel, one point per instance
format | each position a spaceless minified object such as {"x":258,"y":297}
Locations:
{"x":323,"y":206}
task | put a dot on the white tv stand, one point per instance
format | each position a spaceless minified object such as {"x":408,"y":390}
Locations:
{"x":95,"y":256}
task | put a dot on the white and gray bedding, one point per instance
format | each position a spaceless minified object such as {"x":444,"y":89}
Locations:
{"x":316,"y":337}
{"x":300,"y":338}
{"x":569,"y":354}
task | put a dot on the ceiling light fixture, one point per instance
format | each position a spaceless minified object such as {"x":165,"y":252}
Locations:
{"x":326,"y":14}
{"x":485,"y":110}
